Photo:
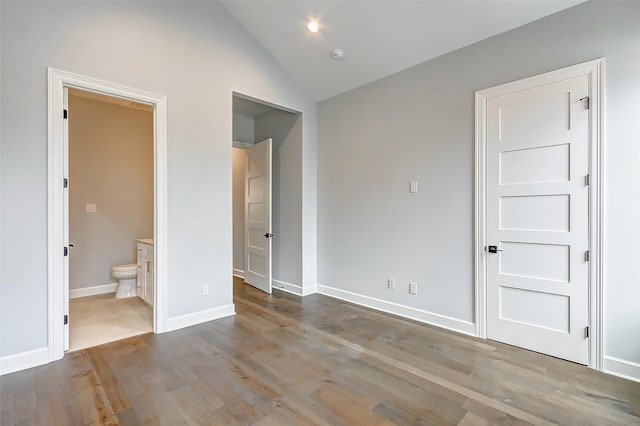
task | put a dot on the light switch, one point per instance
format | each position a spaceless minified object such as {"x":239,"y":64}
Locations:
{"x":414,"y":186}
{"x":90,"y":208}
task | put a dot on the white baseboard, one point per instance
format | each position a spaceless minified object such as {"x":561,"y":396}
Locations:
{"x":199,"y":317}
{"x":622,"y":368}
{"x":294,"y":288}
{"x":288,"y":287}
{"x":310,"y":289}
{"x":92,"y":291}
{"x":238,"y":273}
{"x":24,"y":360}
{"x":454,"y":324}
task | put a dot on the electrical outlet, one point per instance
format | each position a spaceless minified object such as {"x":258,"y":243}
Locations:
{"x":391,"y":283}
{"x":413,"y":187}
{"x":413,"y":288}
{"x":205,"y":290}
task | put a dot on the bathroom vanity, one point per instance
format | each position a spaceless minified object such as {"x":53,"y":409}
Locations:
{"x":145,"y":270}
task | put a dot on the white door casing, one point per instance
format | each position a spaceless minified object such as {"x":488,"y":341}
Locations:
{"x":257,"y":235}
{"x":537,"y":140}
{"x":57,"y":214}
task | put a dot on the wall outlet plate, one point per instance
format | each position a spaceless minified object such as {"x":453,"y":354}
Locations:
{"x":205,"y":290}
{"x":413,"y":288}
{"x":391,"y":283}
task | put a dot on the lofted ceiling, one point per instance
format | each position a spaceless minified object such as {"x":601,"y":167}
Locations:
{"x":378,"y":38}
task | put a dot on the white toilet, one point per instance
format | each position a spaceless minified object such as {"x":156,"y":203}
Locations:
{"x":126,"y":275}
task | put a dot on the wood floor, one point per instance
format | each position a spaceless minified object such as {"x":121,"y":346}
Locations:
{"x":95,"y":320}
{"x":283,"y":360}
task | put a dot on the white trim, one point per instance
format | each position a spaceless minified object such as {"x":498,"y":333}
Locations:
{"x":93,"y":290}
{"x":595,"y":70}
{"x":238,"y":273}
{"x":309,"y":289}
{"x":199,"y":317}
{"x":288,"y":287}
{"x":622,"y":368}
{"x":443,"y":321}
{"x":57,"y":80}
{"x":23,"y":360}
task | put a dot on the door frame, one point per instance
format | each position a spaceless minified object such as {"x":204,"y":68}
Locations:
{"x":595,"y":70}
{"x":57,"y":80}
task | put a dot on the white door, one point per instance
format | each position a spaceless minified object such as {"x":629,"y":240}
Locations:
{"x":65,"y":200}
{"x":257,"y":235}
{"x":537,"y":218}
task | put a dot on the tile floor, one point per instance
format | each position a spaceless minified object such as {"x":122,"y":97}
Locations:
{"x":95,"y":320}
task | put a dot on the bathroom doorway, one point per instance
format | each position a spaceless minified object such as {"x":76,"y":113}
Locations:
{"x":266,"y":144}
{"x":59,"y":185}
{"x":110,"y":218}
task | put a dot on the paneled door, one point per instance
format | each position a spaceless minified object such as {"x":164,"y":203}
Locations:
{"x":257,"y":235}
{"x":537,"y":221}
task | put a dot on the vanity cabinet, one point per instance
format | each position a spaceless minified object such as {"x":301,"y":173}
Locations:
{"x":144,"y":279}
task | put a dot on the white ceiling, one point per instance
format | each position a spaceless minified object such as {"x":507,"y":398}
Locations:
{"x":379,"y":38}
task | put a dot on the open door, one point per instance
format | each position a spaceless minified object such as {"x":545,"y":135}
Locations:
{"x":257,"y":219}
{"x":65,"y":221}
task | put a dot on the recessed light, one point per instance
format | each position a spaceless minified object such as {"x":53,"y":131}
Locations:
{"x":313,"y":26}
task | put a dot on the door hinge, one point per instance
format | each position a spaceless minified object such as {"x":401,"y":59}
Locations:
{"x":66,"y":251}
{"x":586,"y":180}
{"x":586,"y":256}
{"x":586,"y":332}
{"x":66,"y":319}
{"x":65,"y":114}
{"x":588,"y":101}
{"x":65,"y":183}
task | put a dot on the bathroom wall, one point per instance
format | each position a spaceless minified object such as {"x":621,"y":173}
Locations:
{"x":111,"y":166}
{"x":239,"y":167}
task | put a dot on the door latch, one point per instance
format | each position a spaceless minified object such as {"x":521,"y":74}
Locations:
{"x":268,"y":235}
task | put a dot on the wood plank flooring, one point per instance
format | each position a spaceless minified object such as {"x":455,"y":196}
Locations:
{"x":283,"y":360}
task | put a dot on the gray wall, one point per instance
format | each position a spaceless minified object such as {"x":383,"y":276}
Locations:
{"x":197,"y":55}
{"x":111,"y":166}
{"x":419,"y":124}
{"x":243,"y":128}
{"x":239,"y":170}
{"x":286,"y":131}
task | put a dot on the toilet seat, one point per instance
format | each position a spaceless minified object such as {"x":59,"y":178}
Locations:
{"x":125,"y":268}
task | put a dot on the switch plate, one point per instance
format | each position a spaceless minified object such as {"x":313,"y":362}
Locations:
{"x":391,"y":283}
{"x":413,"y":187}
{"x":205,"y":290}
{"x":90,"y":208}
{"x":413,"y":288}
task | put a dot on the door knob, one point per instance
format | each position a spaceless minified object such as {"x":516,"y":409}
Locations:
{"x":493,"y":249}
{"x":268,"y":235}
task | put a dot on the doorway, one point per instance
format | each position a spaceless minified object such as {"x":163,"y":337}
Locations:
{"x":110,"y":218}
{"x":538,"y":158}
{"x":266,"y":159}
{"x":59,"y":83}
